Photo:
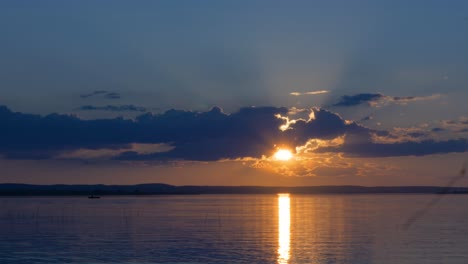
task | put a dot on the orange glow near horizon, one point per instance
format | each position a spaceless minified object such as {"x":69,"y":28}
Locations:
{"x":283,"y":154}
{"x":284,"y":226}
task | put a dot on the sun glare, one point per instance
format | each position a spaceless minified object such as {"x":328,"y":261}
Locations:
{"x":283,"y":154}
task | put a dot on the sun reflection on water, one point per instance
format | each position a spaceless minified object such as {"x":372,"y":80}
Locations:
{"x":284,"y":224}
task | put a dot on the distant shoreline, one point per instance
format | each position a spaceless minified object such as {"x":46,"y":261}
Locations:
{"x":15,"y":189}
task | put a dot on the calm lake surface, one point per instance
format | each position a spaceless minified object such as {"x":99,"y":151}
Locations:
{"x":233,"y":229}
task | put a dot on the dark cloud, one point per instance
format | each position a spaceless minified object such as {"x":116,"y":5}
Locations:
{"x":112,"y":96}
{"x":352,"y":100}
{"x":34,"y":136}
{"x":366,"y":118}
{"x":437,"y":129}
{"x":416,"y":134}
{"x":102,"y":93}
{"x":409,"y":148}
{"x":326,"y":126}
{"x":208,"y":135}
{"x":93,"y":94}
{"x":202,"y":136}
{"x":114,"y":108}
{"x":376,"y":99}
{"x":214,"y":135}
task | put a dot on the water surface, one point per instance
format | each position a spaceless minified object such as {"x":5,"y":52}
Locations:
{"x":233,"y":229}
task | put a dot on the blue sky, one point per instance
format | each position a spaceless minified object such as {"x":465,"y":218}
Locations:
{"x":401,"y":64}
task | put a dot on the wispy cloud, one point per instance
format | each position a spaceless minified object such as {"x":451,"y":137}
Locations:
{"x":408,"y":99}
{"x":377,"y":99}
{"x":113,"y":108}
{"x":108,"y":153}
{"x":459,"y":125}
{"x":112,"y":95}
{"x":309,"y":93}
{"x":93,"y":94}
{"x":357,"y":99}
{"x":102,"y":93}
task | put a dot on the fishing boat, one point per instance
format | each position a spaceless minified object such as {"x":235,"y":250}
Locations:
{"x":94,"y":197}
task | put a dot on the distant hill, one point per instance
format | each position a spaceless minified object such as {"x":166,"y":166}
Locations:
{"x":10,"y":189}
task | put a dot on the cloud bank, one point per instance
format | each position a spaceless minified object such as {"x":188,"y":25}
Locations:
{"x":252,"y":132}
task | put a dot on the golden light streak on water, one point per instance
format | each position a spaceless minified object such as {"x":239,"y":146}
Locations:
{"x":284,"y":228}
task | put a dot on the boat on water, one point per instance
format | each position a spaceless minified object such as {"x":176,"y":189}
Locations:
{"x":94,"y":197}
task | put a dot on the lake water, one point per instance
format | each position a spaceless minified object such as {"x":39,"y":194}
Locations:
{"x":233,"y":229}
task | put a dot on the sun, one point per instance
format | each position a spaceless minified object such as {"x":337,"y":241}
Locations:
{"x":283,"y":154}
